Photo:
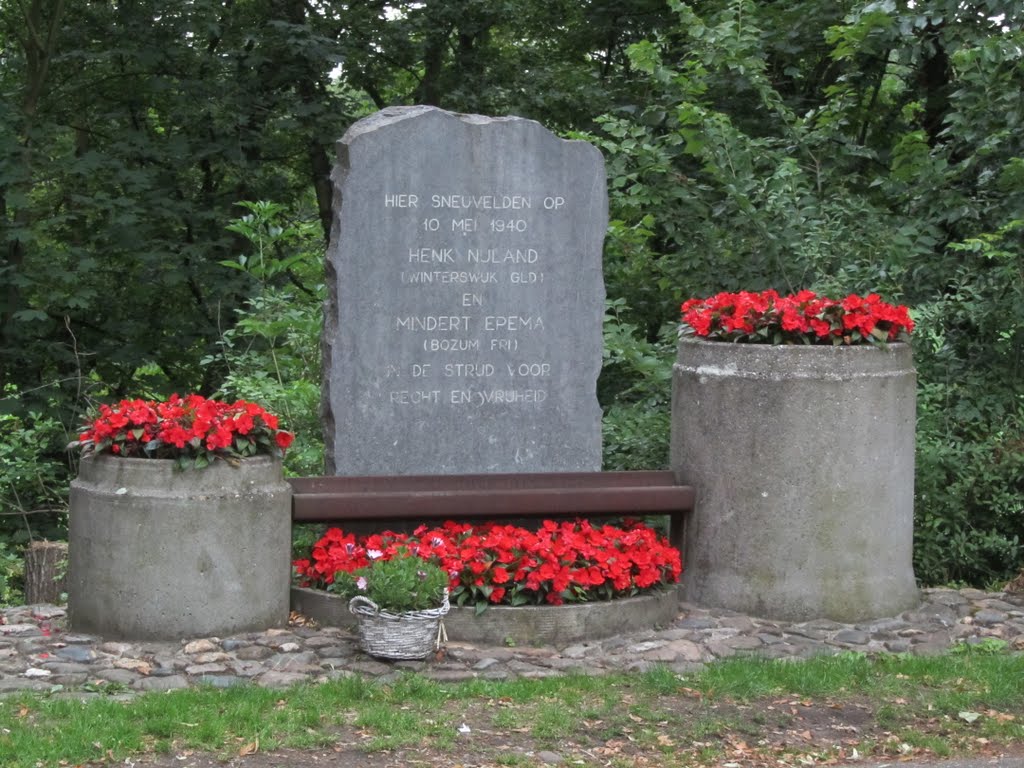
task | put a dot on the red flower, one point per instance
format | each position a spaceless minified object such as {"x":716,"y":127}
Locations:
{"x":187,"y":428}
{"x":495,"y":563}
{"x":804,"y":317}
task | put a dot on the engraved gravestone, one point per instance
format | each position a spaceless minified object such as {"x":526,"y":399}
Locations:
{"x":463,"y":324}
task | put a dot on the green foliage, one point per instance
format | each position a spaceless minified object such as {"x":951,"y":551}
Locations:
{"x":12,"y":569}
{"x":129,"y":137}
{"x":33,"y":484}
{"x":636,"y":390}
{"x":33,"y":490}
{"x":846,"y":146}
{"x":400,"y":584}
{"x":408,"y":709}
{"x":304,"y":536}
{"x":987,"y":646}
{"x":271,"y":355}
{"x":970,"y":357}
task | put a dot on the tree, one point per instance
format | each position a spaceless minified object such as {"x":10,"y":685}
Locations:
{"x":838,"y":145}
{"x":887,"y":159}
{"x":136,"y":132}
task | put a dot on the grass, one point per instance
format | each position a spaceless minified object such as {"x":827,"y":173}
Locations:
{"x":732,"y":709}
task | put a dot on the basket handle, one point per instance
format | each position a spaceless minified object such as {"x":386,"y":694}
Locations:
{"x":362,"y":604}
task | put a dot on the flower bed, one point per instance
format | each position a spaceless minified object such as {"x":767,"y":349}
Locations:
{"x":494,"y":564}
{"x":192,"y":430}
{"x":802,"y":318}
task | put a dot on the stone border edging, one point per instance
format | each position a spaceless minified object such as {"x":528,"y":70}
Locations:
{"x":556,"y":625}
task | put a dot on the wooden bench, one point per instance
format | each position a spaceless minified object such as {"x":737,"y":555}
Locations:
{"x":391,"y":499}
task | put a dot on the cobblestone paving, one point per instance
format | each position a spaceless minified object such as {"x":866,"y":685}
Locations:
{"x":37,"y":652}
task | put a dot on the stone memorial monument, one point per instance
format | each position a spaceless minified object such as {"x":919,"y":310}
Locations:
{"x":463,"y":323}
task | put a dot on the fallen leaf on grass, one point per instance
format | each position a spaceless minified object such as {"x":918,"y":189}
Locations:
{"x":1000,"y":717}
{"x":738,"y":747}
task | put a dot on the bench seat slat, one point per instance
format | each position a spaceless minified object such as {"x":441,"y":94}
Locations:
{"x":402,"y":505}
{"x":385,"y":499}
{"x":497,"y":482}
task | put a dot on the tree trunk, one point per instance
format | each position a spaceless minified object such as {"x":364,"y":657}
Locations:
{"x":46,"y":572}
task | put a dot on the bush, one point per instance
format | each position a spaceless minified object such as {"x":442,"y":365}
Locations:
{"x":271,"y":354}
{"x":970,"y":434}
{"x":635,"y":389}
{"x":12,"y":571}
{"x":33,"y":489}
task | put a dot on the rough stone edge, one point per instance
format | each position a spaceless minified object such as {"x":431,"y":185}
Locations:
{"x":389,"y":116}
{"x":701,"y":357}
{"x":505,"y":624}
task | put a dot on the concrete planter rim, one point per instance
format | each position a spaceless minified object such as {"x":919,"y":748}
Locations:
{"x":165,"y":474}
{"x":529,"y":625}
{"x":792,"y":361}
{"x":134,"y":461}
{"x":753,"y":348}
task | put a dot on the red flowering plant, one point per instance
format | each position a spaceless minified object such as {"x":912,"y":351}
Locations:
{"x":192,"y":430}
{"x":801,"y":318}
{"x":562,"y":562}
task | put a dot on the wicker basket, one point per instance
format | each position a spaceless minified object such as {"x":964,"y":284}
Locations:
{"x":410,"y":635}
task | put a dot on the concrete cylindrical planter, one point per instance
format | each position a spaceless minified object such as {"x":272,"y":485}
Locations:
{"x":803,"y":462}
{"x":161,"y":553}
